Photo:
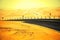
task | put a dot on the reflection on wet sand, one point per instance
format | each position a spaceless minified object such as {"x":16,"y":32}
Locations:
{"x":17,"y":30}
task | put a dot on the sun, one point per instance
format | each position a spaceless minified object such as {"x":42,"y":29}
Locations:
{"x":28,"y":5}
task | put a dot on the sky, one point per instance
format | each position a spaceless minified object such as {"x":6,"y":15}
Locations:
{"x":28,"y":4}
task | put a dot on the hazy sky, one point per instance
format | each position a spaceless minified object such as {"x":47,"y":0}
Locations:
{"x":25,"y":4}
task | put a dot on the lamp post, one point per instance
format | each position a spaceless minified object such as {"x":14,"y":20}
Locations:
{"x":49,"y":15}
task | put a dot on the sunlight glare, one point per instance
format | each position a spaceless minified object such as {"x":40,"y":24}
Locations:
{"x":28,"y":5}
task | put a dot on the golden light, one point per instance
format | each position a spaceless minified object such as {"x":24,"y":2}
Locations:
{"x":29,"y":8}
{"x":29,"y":4}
